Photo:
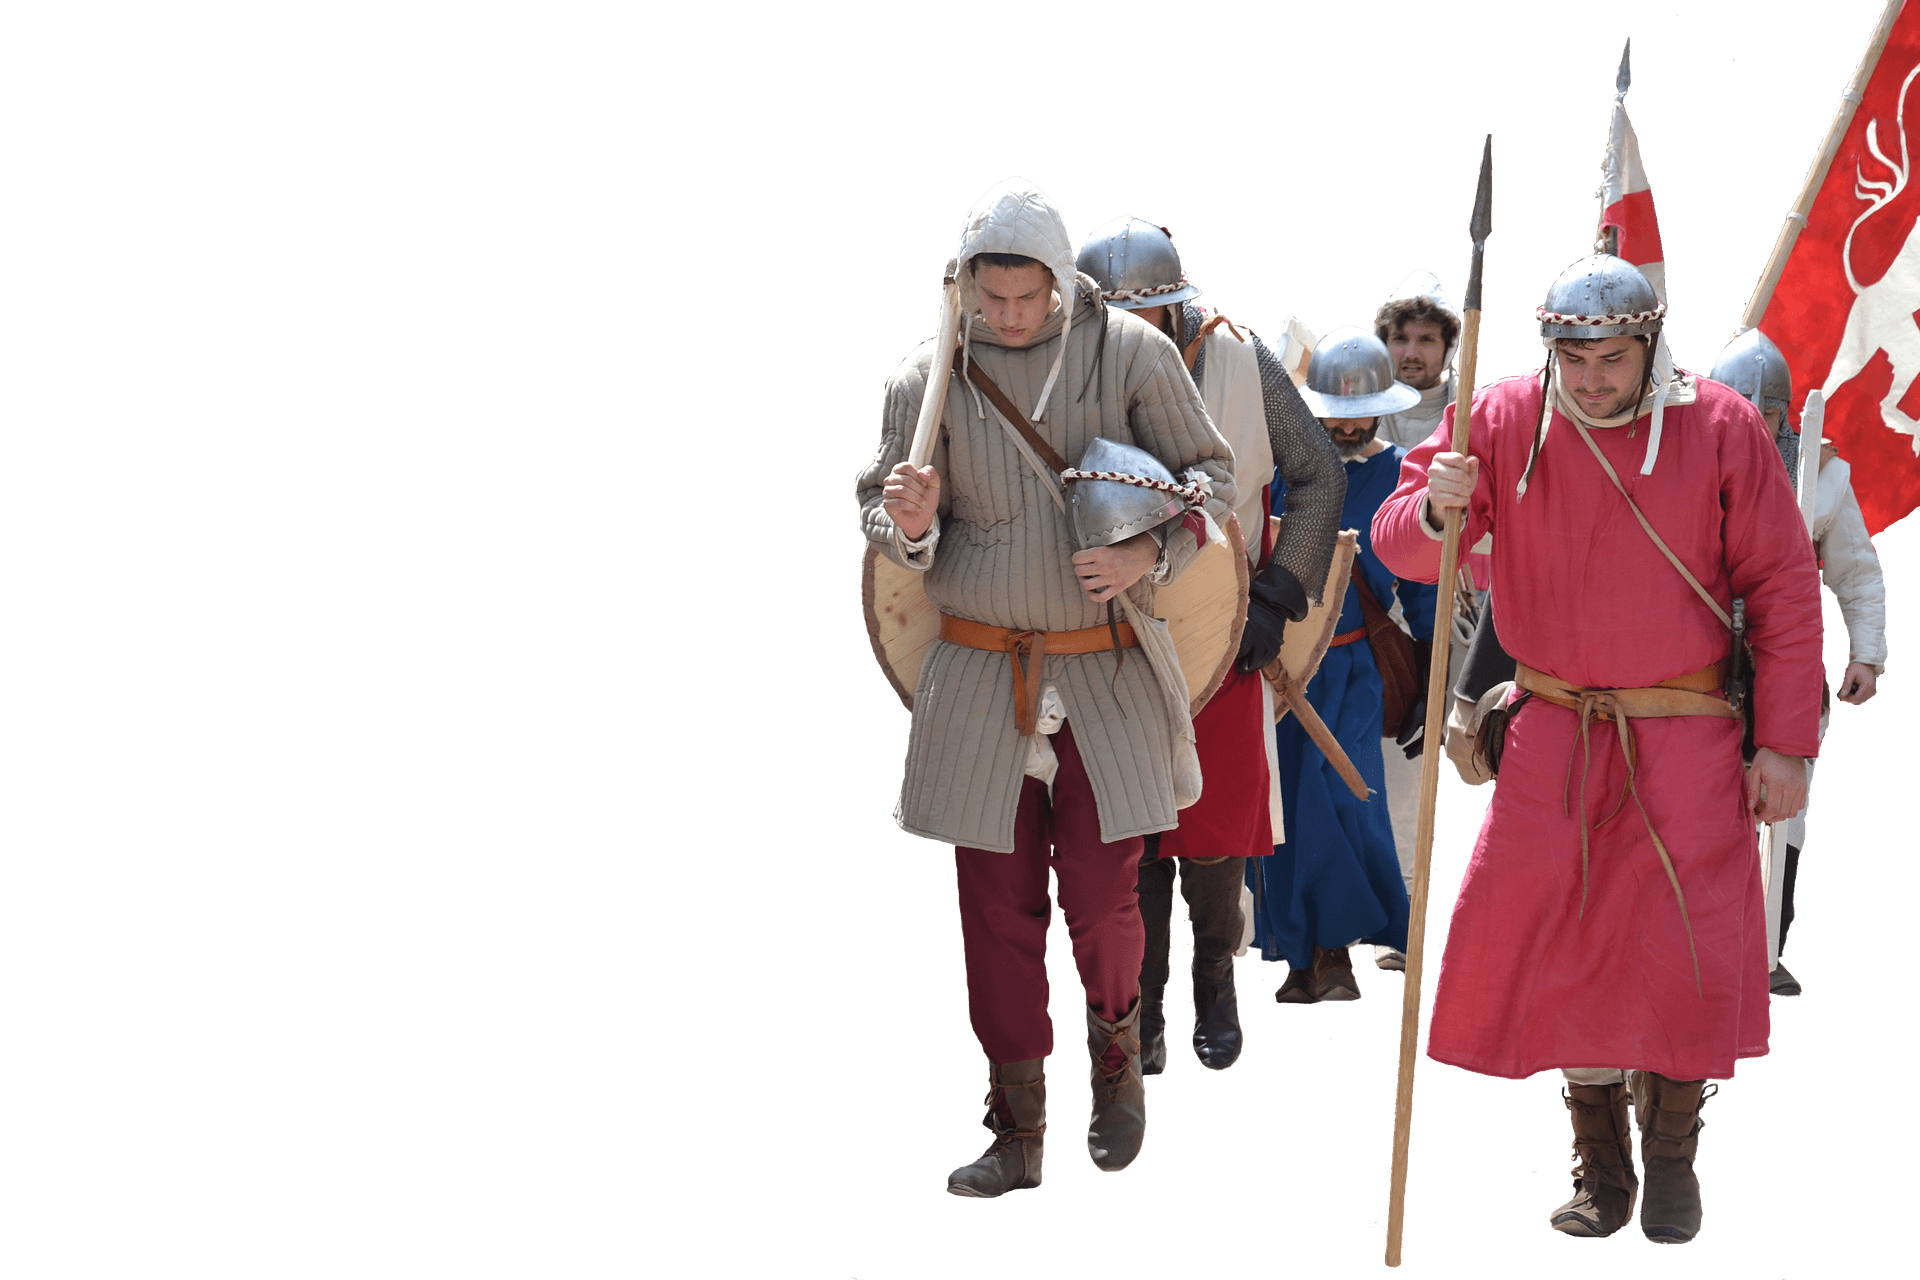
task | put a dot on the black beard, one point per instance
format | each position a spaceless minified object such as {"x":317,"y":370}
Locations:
{"x":1350,"y":452}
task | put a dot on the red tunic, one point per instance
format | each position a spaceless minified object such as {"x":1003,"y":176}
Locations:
{"x":1530,"y":980}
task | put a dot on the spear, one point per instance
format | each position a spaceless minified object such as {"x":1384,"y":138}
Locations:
{"x":1480,"y":227}
{"x":926,"y":428}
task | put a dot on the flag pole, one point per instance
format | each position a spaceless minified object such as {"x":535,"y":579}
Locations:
{"x":1796,"y":219}
{"x":1479,"y":228}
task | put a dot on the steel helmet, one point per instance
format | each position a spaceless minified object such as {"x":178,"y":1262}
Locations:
{"x":1135,"y":265}
{"x":1351,"y":376}
{"x":1600,"y":297}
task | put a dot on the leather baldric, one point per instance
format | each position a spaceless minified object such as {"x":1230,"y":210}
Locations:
{"x":998,"y":399}
{"x":1033,"y":646}
{"x":1694,"y":694}
{"x":1118,"y":635}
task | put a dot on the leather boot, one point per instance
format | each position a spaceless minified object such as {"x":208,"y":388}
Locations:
{"x":1119,"y":1122}
{"x":1297,"y":989}
{"x":1216,"y":1013}
{"x":1332,"y":976}
{"x":1604,"y":1185}
{"x":1017,"y":1115}
{"x":1212,"y":889}
{"x":1668,"y":1112}
{"x":1155,"y":889}
{"x":1153,"y":1030}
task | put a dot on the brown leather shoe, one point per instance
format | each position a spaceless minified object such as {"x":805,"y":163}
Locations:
{"x":1017,"y":1114}
{"x":1216,"y":1014}
{"x":1297,"y":989}
{"x":1119,"y":1122}
{"x":1604,"y":1185}
{"x":1668,"y":1112}
{"x":1332,"y":975}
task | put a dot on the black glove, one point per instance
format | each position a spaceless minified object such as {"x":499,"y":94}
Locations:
{"x":1272,"y":598}
{"x":1412,"y":737}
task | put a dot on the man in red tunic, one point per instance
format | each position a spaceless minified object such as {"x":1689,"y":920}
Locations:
{"x":1611,"y":918}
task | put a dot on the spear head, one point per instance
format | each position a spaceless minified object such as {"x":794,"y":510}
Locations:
{"x":1482,"y":225}
{"x":1625,"y":78}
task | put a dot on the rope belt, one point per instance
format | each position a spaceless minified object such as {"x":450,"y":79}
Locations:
{"x":1034,"y":646}
{"x":1348,"y":637}
{"x":1689,"y":695}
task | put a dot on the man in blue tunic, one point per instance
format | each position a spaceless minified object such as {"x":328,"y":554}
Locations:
{"x":1336,"y":879}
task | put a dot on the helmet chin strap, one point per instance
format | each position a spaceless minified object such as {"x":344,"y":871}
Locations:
{"x":1662,"y":373}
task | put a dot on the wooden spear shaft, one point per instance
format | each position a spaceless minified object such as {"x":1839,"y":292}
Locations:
{"x":1437,"y":695}
{"x":1796,"y":218}
{"x":926,"y":427}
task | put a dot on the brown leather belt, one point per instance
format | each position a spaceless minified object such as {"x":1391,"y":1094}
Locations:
{"x":1693,"y":694}
{"x":1034,"y":645}
{"x":1347,"y":637}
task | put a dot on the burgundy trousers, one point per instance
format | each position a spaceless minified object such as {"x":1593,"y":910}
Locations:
{"x":1004,"y":912}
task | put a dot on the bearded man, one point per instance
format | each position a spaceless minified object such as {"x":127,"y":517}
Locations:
{"x":1753,"y":366}
{"x":1611,"y":918}
{"x":1421,"y":328}
{"x":1335,"y":878}
{"x":1036,"y":740}
{"x":1256,"y":408}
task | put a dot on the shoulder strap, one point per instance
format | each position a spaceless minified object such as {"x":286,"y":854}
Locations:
{"x":1192,"y":353}
{"x":1375,"y":616}
{"x":998,"y":399}
{"x":1665,"y":550}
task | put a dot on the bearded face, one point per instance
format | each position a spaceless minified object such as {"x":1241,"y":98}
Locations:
{"x":1351,"y":436}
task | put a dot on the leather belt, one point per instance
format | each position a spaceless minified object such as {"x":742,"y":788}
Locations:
{"x":1689,"y":695}
{"x":1347,"y":637}
{"x":1694,"y":694}
{"x":1034,"y":645}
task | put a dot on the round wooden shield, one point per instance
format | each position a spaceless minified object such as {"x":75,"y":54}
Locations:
{"x":1205,"y":608}
{"x":1306,"y":642}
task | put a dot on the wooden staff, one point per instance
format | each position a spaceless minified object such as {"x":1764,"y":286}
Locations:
{"x":1796,"y":219}
{"x":935,"y":398}
{"x":1480,"y":227}
{"x":1295,"y":696}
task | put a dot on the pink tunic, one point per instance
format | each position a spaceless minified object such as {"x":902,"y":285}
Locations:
{"x":1530,"y":980}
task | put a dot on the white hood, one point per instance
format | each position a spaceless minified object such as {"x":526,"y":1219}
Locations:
{"x":1014,"y":217}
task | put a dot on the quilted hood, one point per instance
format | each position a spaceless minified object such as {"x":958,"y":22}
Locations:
{"x":1015,"y":217}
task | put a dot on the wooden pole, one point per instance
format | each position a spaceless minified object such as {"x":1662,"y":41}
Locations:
{"x":935,"y":397}
{"x":1796,"y":219}
{"x":1437,"y":693}
{"x":1296,"y":699}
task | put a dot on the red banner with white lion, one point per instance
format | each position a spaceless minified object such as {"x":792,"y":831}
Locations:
{"x":1846,"y":312}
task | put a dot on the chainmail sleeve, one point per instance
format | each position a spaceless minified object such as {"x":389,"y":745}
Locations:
{"x":1316,"y":482}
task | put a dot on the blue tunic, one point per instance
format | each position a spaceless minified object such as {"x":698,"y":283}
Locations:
{"x":1337,"y":878}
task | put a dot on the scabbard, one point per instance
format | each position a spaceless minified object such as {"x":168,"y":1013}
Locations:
{"x":1296,"y":700}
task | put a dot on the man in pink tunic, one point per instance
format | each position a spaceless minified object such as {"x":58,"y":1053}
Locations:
{"x":1611,"y":918}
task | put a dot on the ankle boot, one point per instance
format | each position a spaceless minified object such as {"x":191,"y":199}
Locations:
{"x":1668,"y":1112}
{"x":1119,"y":1122}
{"x":1332,"y":976}
{"x":1297,"y":989}
{"x":1212,"y":888}
{"x":1017,"y":1115}
{"x":1153,"y":1030}
{"x":1603,"y":1182}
